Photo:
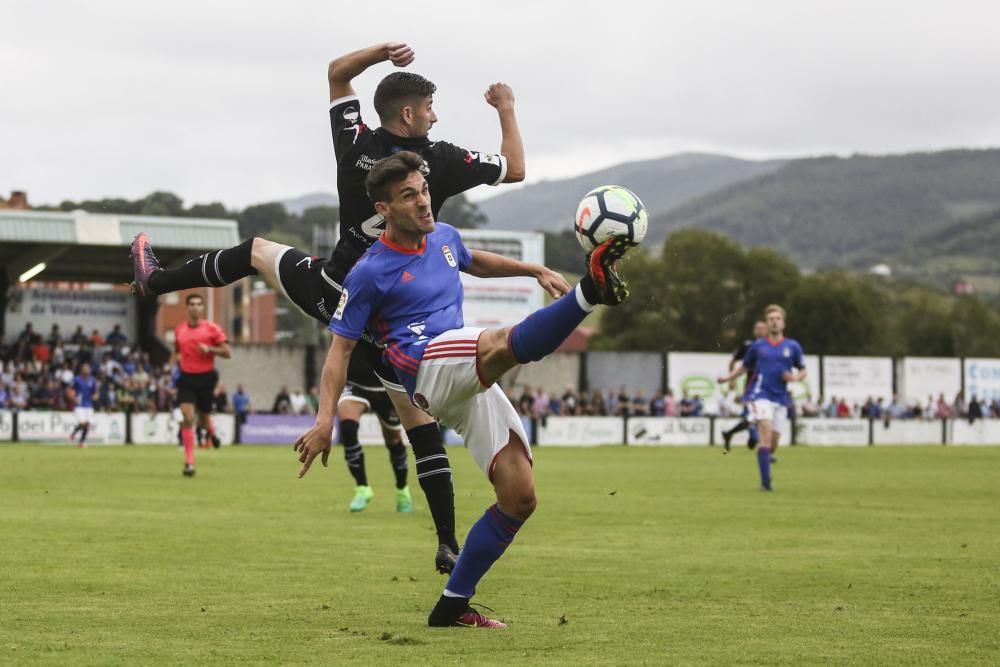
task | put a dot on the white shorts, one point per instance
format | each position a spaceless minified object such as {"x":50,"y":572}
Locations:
{"x":449,"y":387}
{"x":84,"y":414}
{"x":763,"y":410}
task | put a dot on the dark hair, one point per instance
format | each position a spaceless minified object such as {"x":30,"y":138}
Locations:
{"x":391,"y":170}
{"x":395,"y":90}
{"x":193,"y":296}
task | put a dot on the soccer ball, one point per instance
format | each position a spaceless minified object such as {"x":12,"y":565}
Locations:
{"x":607,"y":211}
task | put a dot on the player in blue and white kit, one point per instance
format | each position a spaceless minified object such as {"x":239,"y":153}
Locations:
{"x":407,"y":292}
{"x":775,"y":361}
{"x":84,"y":386}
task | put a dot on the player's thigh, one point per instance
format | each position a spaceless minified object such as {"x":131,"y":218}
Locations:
{"x":263,"y":257}
{"x":410,"y":415}
{"x":494,"y":355}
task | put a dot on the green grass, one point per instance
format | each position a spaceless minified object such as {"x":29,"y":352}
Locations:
{"x":635,"y":556}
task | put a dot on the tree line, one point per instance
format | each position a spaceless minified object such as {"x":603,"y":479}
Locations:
{"x":702,"y":292}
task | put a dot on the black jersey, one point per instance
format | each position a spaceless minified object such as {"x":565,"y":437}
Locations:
{"x":742,"y":351}
{"x":451,"y":170}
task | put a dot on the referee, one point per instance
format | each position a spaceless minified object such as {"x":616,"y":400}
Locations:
{"x":196,"y":344}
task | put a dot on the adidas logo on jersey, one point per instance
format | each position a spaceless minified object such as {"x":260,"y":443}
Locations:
{"x":407,"y":276}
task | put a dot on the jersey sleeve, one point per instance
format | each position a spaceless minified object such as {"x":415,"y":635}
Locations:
{"x":218,"y":335}
{"x":346,"y":124}
{"x":798,"y":360}
{"x":742,"y":351}
{"x":465,"y":169}
{"x":358,"y":299}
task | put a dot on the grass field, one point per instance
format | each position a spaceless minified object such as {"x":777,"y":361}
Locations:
{"x":635,"y":556}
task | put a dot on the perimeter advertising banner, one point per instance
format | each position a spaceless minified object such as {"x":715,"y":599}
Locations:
{"x":696,"y":373}
{"x":93,"y":309}
{"x":502,"y":302}
{"x":830,"y":432}
{"x":6,"y":425}
{"x":857,"y":378}
{"x":660,"y":431}
{"x":982,"y":379}
{"x":921,"y":377}
{"x":285,"y":429}
{"x":55,"y":427}
{"x":161,"y":428}
{"x":580,"y":431}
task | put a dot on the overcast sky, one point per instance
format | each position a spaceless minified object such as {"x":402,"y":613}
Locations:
{"x":226,"y":100}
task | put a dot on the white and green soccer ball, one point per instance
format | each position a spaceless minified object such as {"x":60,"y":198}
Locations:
{"x":607,"y":211}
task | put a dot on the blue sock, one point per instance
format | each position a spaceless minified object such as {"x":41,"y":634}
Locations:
{"x":487,"y":540}
{"x":542,"y":332}
{"x":754,"y":436}
{"x":764,"y":463}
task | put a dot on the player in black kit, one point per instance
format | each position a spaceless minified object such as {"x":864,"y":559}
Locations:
{"x":403,"y":102}
{"x":759,"y":331}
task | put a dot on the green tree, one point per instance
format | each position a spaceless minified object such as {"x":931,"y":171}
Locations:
{"x":259,"y":219}
{"x":563,"y":252}
{"x":213,"y":210}
{"x":834,"y":313}
{"x":162,"y":203}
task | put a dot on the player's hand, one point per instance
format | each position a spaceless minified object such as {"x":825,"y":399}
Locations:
{"x":312,"y":443}
{"x":400,"y":54}
{"x":204,"y":349}
{"x":789,"y":376}
{"x":553,"y":282}
{"x":499,"y":94}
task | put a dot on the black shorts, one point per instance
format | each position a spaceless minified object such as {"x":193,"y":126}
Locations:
{"x":304,"y":282}
{"x":375,"y":400}
{"x":198,"y":388}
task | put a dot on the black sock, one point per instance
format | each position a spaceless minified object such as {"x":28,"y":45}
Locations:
{"x":400,"y":464}
{"x":589,"y":289}
{"x":742,"y":426}
{"x":434,"y":475}
{"x":213,"y":269}
{"x":83,"y":433}
{"x":447,"y":610}
{"x":354,"y":454}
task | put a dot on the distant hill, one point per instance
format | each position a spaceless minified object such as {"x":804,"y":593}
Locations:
{"x":849,"y":212}
{"x":662,"y":184}
{"x":298,"y":204}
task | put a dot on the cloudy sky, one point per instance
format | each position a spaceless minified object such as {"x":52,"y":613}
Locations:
{"x":225,"y":100}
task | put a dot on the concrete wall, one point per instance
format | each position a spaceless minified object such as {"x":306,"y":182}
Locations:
{"x":635,"y":370}
{"x":263,"y":370}
{"x":552,"y":373}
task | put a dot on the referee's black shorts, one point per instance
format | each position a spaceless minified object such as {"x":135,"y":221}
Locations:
{"x":198,"y":388}
{"x":303,"y":281}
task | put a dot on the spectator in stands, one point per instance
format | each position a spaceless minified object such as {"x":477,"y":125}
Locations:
{"x":975,"y":409}
{"x":96,"y":339}
{"x":598,"y":404}
{"x":282,"y":405}
{"x":657,"y":404}
{"x":18,"y":396}
{"x":944,"y":411}
{"x":525,"y":404}
{"x":570,"y":401}
{"x":4,"y":396}
{"x":241,"y":404}
{"x":220,"y":402}
{"x":297,"y":403}
{"x":958,"y":407}
{"x":622,"y":402}
{"x":313,"y":398}
{"x":116,"y":337}
{"x":669,"y":404}
{"x":843,"y":409}
{"x":27,"y":333}
{"x":78,"y":337}
{"x":54,"y":336}
{"x":640,"y":406}
{"x":540,"y":403}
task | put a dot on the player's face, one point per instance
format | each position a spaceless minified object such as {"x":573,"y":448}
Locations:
{"x":409,"y":207}
{"x":423,"y":117}
{"x":759,"y":329}
{"x":196,"y":309}
{"x":775,"y":323}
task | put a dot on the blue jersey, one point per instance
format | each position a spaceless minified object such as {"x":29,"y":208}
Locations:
{"x":84,"y":388}
{"x":405,"y":298}
{"x":769,"y":361}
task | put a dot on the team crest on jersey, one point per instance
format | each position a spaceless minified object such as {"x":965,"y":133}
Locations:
{"x":351,"y":114}
{"x":448,"y":256}
{"x":339,"y":313}
{"x":490,"y":158}
{"x":787,"y":352}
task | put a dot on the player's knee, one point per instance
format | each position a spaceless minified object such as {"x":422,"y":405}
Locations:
{"x":524,"y":504}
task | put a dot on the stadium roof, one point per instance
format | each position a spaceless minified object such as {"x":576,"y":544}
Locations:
{"x":90,"y":247}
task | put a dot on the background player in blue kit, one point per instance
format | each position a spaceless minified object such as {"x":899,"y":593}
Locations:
{"x":775,"y":361}
{"x":406,"y":290}
{"x":759,"y":331}
{"x":84,"y":387}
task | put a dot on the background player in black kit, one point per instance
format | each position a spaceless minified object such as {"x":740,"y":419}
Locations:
{"x":759,"y":331}
{"x":404,"y":103}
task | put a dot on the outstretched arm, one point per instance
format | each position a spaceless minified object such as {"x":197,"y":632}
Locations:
{"x":346,"y":67}
{"x":501,"y":97}
{"x":318,"y":439}
{"x":487,"y":264}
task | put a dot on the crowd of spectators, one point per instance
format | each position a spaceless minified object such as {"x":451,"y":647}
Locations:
{"x":622,"y":402}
